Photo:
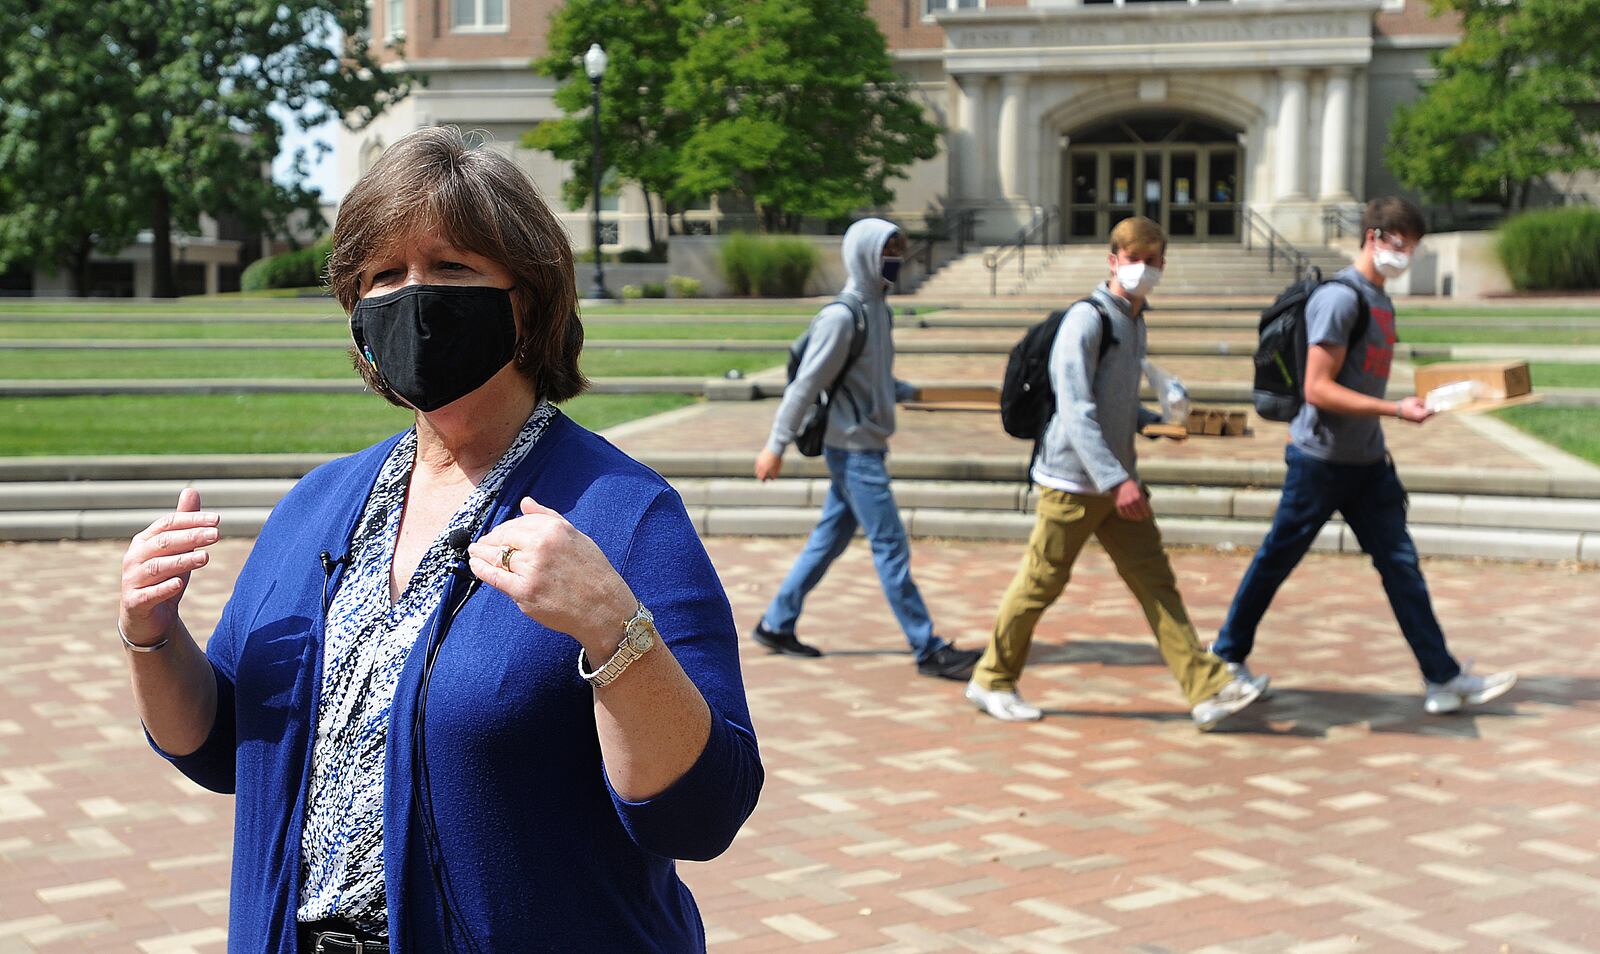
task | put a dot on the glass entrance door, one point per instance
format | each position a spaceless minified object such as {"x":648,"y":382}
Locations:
{"x":1184,"y":173}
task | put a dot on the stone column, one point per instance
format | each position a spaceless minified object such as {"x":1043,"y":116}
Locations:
{"x":1290,"y":136}
{"x":1336,"y":130}
{"x":1010,"y":141}
{"x":971,"y":100}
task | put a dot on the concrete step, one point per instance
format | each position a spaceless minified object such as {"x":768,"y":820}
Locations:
{"x":1457,"y":525}
{"x":160,"y":477}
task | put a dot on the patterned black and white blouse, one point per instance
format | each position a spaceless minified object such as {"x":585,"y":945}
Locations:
{"x":367,"y":639}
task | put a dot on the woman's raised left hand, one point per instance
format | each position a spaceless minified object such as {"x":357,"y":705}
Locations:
{"x":556,"y":575}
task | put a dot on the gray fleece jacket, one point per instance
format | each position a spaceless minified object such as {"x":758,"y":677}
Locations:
{"x":1089,"y":441}
{"x":863,"y":417}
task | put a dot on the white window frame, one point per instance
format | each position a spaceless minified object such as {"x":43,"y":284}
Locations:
{"x":931,"y":7}
{"x":477,"y":25}
{"x":394,"y":18}
{"x":1124,"y":3}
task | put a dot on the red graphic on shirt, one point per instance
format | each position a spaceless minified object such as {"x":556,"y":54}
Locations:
{"x":1380,"y":356}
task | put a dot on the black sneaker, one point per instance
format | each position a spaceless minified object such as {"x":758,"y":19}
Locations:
{"x":784,"y":644}
{"x":949,"y":662}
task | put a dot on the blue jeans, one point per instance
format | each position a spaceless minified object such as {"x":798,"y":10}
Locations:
{"x":1373,"y":504}
{"x":858,"y":496}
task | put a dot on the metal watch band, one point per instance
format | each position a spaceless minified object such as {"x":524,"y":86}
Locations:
{"x":614,"y":667}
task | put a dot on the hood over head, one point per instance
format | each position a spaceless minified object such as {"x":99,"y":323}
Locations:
{"x":863,"y":256}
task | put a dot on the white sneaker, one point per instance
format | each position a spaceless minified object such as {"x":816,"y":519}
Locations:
{"x":1005,"y":706}
{"x":1239,"y":670}
{"x":1233,"y":697}
{"x":1466,"y":690}
{"x":1242,"y":671}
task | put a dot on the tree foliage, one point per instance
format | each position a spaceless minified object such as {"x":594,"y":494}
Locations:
{"x":1513,"y":102}
{"x":120,"y":115}
{"x":640,"y":136}
{"x":791,"y":106}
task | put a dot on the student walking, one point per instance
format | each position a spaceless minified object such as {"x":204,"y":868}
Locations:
{"x":1088,"y":486}
{"x":860,"y":423}
{"x":1338,"y":462}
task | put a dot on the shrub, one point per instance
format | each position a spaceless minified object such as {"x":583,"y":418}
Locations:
{"x":631,"y":292}
{"x":682,"y":286}
{"x":301,"y":268}
{"x":655,"y":290}
{"x":656,"y":255}
{"x":768,"y":266}
{"x":1552,"y":249}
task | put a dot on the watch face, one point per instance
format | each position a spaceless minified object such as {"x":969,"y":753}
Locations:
{"x":641,"y":638}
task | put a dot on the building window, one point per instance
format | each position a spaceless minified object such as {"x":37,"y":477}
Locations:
{"x":394,"y":16}
{"x":1129,"y":3}
{"x":930,"y":7}
{"x":478,"y":16}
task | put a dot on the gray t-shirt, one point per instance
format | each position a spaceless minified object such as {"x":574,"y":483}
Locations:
{"x":1330,"y":318}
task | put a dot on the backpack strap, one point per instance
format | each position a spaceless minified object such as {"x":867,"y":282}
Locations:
{"x":858,"y":344}
{"x":1108,"y":338}
{"x":1363,"y":315}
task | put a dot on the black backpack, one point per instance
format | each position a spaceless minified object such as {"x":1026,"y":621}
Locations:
{"x":1027,"y":399}
{"x":814,"y":426}
{"x":1281,"y":346}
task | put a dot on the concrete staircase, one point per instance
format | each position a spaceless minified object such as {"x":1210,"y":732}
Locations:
{"x":1506,"y":516}
{"x":1068,"y":271}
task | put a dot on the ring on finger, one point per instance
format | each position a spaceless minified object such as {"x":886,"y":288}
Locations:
{"x":505,"y":557}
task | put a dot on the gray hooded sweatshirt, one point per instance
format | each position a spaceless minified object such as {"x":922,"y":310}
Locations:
{"x":1088,"y":444}
{"x":863,"y":416}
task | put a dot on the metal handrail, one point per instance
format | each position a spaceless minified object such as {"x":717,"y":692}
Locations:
{"x":1337,"y":220}
{"x":961,"y":228}
{"x":1038,"y":226}
{"x":1277,"y":246}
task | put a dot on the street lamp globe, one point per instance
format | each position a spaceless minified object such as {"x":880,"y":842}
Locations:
{"x":594,"y":62}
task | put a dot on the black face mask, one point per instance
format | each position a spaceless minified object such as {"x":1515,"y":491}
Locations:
{"x":435,"y":344}
{"x":891,"y":270}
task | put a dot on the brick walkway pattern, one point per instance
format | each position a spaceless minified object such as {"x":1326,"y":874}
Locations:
{"x":1335,"y":817}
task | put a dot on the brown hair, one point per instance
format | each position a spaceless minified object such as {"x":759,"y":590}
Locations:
{"x":435,"y":180}
{"x":1395,"y":216}
{"x":1138,"y":234}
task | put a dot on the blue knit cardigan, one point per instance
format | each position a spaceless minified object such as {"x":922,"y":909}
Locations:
{"x":533,"y":850}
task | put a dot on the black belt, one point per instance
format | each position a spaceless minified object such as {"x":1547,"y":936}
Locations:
{"x":339,"y":936}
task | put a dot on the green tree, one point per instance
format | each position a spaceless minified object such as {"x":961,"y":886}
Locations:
{"x":640,"y":137}
{"x":1513,"y":102}
{"x":796,"y":105}
{"x":152,"y":112}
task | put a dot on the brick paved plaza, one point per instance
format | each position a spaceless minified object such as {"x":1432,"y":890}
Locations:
{"x":1336,"y":817}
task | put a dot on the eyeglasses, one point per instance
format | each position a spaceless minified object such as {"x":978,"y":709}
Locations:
{"x":1396,"y":242}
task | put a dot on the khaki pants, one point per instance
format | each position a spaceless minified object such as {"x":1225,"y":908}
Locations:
{"x":1066,"y":521}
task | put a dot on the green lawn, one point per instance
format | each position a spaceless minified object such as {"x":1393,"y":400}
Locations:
{"x":1412,"y":334}
{"x":230,"y":305}
{"x":244,"y":424}
{"x":677,"y":331}
{"x":1575,"y":430}
{"x":335,"y":328}
{"x":1511,"y":312}
{"x":332,"y":362}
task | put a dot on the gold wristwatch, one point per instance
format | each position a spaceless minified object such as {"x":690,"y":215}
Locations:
{"x":638,"y":636}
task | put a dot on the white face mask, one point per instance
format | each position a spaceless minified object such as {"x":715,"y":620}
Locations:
{"x":1138,"y":279}
{"x":1389,"y":263}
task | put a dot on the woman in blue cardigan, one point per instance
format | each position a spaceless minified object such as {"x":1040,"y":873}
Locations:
{"x":477,"y":686}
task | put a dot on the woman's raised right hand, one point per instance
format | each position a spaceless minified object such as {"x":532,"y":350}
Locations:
{"x":156,"y":568}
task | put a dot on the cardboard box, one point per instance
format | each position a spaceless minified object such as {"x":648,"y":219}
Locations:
{"x":1215,"y":422}
{"x":1501,"y":380}
{"x":1176,"y":432}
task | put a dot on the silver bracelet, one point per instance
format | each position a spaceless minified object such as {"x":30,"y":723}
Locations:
{"x":137,"y":647}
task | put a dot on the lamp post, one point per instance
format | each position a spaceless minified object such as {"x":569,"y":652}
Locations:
{"x":594,"y":63}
